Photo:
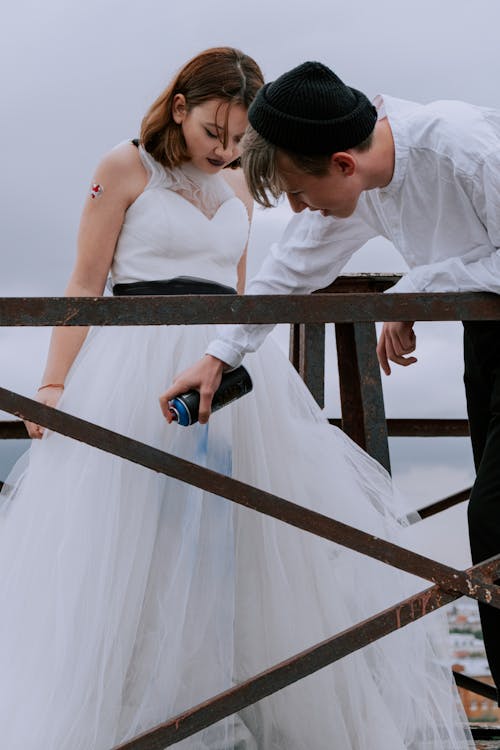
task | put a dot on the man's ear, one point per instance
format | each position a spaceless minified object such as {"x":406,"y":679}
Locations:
{"x":344,"y":163}
{"x":179,"y":109}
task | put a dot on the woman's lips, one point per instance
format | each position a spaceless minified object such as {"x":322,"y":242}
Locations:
{"x":216,"y":162}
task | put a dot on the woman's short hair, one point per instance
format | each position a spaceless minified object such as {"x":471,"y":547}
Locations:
{"x":222,"y":73}
{"x":260,"y":165}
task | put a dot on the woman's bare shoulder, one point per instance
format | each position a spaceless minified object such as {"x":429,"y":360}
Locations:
{"x":122,"y":167}
{"x":122,"y":158}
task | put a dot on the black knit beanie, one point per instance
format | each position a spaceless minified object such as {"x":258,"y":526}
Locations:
{"x":309,"y":110}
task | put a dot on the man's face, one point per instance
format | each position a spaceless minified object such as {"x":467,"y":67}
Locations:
{"x":333,"y":194}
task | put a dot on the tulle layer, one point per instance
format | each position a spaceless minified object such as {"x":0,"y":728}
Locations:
{"x":128,"y":597}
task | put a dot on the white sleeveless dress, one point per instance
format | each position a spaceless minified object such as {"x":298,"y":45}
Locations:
{"x":128,"y":597}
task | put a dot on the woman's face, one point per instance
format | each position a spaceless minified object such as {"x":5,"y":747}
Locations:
{"x":203,"y":130}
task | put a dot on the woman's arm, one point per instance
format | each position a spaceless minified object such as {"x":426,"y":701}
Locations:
{"x":122,"y":178}
{"x":242,"y":273}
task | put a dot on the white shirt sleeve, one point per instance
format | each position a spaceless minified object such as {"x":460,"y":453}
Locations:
{"x":310,"y":255}
{"x":478,"y":269}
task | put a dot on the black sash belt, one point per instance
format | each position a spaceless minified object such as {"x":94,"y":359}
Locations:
{"x":178,"y":285}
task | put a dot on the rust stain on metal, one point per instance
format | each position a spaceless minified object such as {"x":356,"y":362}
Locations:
{"x":398,"y":618}
{"x":69,"y":316}
{"x":472,"y":588}
{"x":425,"y":600}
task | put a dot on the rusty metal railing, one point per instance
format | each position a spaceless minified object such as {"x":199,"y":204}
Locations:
{"x":363,"y":418}
{"x":450,"y":584}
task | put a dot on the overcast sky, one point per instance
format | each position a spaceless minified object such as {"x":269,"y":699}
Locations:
{"x":77,"y":79}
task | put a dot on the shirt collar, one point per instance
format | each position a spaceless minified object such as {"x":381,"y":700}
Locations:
{"x":387,"y":107}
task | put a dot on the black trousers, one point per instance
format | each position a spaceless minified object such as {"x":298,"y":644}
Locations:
{"x":482,"y":387}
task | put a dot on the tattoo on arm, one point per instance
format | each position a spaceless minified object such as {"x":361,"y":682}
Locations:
{"x":96,"y":190}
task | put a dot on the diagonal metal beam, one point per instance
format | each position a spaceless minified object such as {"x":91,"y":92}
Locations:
{"x":451,"y":583}
{"x":12,"y":430}
{"x":475,"y":686}
{"x":297,"y":667}
{"x":244,"y":494}
{"x":444,"y":504}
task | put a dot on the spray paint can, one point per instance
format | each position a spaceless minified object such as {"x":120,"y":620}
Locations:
{"x":234,"y":384}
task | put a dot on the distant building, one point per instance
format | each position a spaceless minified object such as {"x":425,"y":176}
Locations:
{"x":478,"y":708}
{"x":468,"y":656}
{"x":465,"y":644}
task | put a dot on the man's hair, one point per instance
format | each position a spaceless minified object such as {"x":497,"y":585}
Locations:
{"x":260,"y":165}
{"x":221,"y":73}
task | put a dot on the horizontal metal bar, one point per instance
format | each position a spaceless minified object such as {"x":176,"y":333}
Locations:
{"x":428,"y":427}
{"x":202,"y":309}
{"x":15,"y":429}
{"x":421,"y":427}
{"x":251,"y":497}
{"x":287,"y":672}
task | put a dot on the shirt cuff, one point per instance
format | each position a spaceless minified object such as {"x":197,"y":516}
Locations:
{"x":405,"y":284}
{"x":225,"y":352}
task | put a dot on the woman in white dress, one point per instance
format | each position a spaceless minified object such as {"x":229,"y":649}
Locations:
{"x":128,"y":597}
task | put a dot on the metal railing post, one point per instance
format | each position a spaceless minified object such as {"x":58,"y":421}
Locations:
{"x":361,"y":396}
{"x":307,"y":354}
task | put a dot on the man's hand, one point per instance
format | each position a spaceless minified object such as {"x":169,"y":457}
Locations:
{"x":396,"y":340}
{"x":205,"y":377}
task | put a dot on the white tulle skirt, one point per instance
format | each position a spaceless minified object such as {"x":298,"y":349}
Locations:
{"x":128,"y":597}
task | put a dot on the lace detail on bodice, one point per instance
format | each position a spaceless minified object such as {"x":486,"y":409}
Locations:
{"x":184,"y":223}
{"x":206,"y":192}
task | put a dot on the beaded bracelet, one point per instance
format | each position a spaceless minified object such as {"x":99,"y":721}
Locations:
{"x":52,"y":385}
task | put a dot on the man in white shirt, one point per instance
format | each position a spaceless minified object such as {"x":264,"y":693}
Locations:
{"x":426,"y":177}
